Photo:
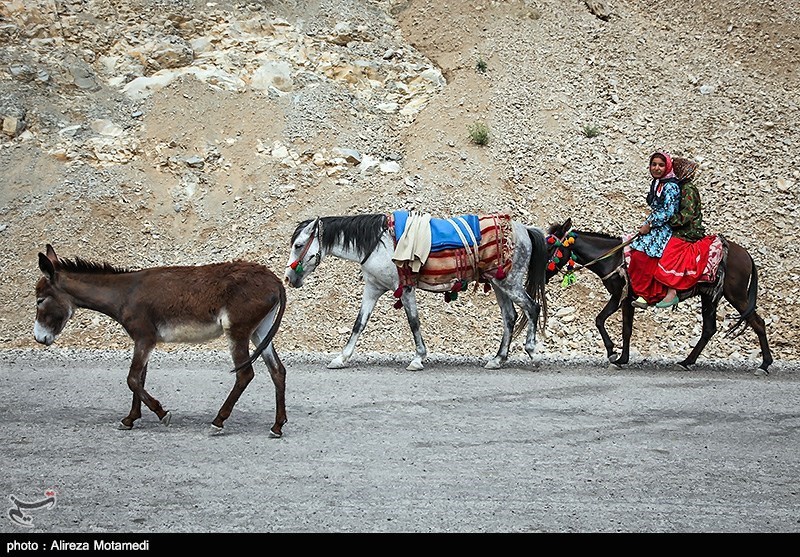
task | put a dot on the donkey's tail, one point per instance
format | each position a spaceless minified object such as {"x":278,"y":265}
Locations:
{"x":276,"y":322}
{"x":536,"y":280}
{"x":752,"y":292}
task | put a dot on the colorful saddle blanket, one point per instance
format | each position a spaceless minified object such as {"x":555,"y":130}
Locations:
{"x":443,"y":232}
{"x":450,"y":268}
{"x":715,"y":253}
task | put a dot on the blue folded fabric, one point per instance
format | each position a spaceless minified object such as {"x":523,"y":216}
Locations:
{"x":443,"y":233}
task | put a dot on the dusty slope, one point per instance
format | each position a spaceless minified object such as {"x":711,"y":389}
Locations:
{"x":715,"y":82}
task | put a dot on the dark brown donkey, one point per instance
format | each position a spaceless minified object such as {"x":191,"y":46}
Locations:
{"x":245,"y":301}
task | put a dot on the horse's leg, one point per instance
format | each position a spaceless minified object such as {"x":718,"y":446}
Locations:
{"x":409,"y":300}
{"x":709,"y":312}
{"x":516,"y":293}
{"x":239,"y":353}
{"x":141,"y":354}
{"x":368,"y":300}
{"x":509,"y":316}
{"x":278,"y":374}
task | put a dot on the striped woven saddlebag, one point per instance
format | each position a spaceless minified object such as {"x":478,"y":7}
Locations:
{"x":450,"y":270}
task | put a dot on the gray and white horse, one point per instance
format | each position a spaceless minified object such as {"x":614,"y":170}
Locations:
{"x":368,"y":240}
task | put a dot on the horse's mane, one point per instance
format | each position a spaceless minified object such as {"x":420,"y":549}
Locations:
{"x":83,"y":266}
{"x":359,"y":232}
{"x":598,"y":235}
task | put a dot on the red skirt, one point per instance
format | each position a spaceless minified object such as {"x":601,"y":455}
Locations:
{"x":682,"y":263}
{"x":641,"y":270}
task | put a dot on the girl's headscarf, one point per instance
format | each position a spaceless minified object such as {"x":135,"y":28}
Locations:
{"x":668,"y":174}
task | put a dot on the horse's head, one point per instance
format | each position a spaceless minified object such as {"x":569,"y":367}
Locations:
{"x":560,"y":238}
{"x":53,"y":307}
{"x":306,"y":252}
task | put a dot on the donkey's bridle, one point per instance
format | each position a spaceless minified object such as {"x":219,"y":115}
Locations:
{"x":297,"y":266}
{"x":569,"y":238}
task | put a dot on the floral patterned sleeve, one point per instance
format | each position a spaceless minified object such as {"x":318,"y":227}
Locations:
{"x":670,"y":201}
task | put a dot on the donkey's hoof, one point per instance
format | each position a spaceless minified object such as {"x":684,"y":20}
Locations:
{"x":415,"y":365}
{"x":275,"y":435}
{"x":761,"y":372}
{"x":124,"y":426}
{"x":337,"y":363}
{"x":216,"y":430}
{"x":167,"y":418}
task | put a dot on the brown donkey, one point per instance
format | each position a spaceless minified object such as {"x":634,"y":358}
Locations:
{"x":243,"y":300}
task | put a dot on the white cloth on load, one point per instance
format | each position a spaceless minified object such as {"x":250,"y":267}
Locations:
{"x":414,"y":246}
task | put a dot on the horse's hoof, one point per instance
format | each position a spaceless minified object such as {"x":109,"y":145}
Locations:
{"x":337,"y":363}
{"x":493,"y":364}
{"x":415,"y":366}
{"x":275,"y":435}
{"x":216,"y":430}
{"x":167,"y":418}
{"x":124,"y":427}
{"x":760,"y":372}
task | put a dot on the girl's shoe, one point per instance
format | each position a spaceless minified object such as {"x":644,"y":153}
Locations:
{"x":640,"y":303}
{"x":662,"y":304}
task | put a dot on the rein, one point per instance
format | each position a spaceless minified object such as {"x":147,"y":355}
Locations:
{"x":608,"y":253}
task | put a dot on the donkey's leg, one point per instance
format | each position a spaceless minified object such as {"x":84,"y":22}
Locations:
{"x":600,"y":322}
{"x":709,"y":312}
{"x":627,"y":331}
{"x":409,"y":300}
{"x":760,"y":328}
{"x":368,"y":300}
{"x":278,"y":374}
{"x":141,"y":354}
{"x":136,"y":405}
{"x":239,"y":348}
{"x":508,"y":314}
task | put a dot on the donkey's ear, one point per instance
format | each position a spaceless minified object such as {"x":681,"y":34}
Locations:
{"x":51,"y":254}
{"x":46,"y":266}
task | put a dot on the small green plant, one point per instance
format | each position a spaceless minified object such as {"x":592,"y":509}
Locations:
{"x":479,"y":133}
{"x":481,"y":66}
{"x":591,"y":131}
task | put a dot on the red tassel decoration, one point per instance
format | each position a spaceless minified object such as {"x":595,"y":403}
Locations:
{"x":487,"y":287}
{"x":398,"y":304}
{"x":500,"y":274}
{"x":398,"y":292}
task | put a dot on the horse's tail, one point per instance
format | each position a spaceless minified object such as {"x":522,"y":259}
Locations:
{"x":752,"y":292}
{"x":265,"y":342}
{"x":536,"y":280}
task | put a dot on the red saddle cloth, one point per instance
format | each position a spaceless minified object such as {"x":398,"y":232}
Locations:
{"x":444,"y":268}
{"x":682,"y":265}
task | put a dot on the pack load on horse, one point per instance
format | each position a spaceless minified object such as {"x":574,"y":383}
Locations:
{"x":242,"y":300}
{"x":730,"y":272}
{"x":403,"y":251}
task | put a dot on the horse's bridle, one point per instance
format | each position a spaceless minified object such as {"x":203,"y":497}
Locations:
{"x":297,"y":266}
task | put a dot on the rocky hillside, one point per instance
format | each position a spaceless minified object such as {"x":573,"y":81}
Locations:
{"x":163,"y":132}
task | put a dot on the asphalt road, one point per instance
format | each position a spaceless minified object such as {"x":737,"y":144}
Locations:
{"x":563,"y":446}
